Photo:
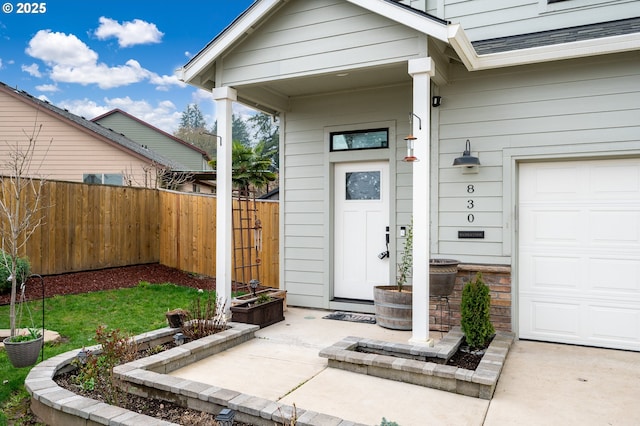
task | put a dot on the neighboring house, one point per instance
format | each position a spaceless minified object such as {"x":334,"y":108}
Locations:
{"x":191,"y":162}
{"x":274,"y":194}
{"x":547,"y":93}
{"x":189,"y":155}
{"x":72,"y":148}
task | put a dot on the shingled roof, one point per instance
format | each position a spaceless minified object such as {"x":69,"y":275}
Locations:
{"x":561,"y":35}
{"x":89,"y":126}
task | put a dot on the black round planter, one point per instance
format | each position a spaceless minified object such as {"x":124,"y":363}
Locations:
{"x":442,"y":276}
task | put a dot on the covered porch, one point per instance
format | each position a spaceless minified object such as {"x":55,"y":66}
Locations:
{"x":381,"y":76}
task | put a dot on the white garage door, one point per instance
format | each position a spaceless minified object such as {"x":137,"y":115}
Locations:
{"x":579,"y":252}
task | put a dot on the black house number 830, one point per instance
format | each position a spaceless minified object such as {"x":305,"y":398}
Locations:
{"x":470,"y":203}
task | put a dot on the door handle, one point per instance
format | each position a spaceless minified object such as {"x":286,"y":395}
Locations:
{"x":386,"y":252}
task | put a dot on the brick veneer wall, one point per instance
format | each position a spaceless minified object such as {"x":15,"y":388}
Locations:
{"x":498,"y":278}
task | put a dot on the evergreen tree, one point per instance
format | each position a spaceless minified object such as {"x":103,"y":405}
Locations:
{"x":267,"y":131}
{"x":475,"y":313}
{"x":240,"y":131}
{"x":193,"y":129}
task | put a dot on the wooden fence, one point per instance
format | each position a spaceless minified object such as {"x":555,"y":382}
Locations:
{"x":188,"y":235}
{"x":88,"y":227}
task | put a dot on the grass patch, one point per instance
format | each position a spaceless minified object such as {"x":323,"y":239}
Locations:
{"x":76,"y":317}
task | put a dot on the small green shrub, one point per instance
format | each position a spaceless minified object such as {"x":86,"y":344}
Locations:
{"x":386,"y":422}
{"x":23,"y":265}
{"x":263,"y":298}
{"x":475,"y":316}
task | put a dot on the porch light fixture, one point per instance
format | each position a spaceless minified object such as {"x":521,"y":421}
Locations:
{"x":436,"y":101}
{"x":254,"y":286}
{"x":411,"y":158}
{"x":467,"y":161}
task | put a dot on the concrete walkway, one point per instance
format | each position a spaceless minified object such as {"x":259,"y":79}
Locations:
{"x":541,"y":383}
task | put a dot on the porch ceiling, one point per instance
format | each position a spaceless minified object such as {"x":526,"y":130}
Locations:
{"x":274,"y":95}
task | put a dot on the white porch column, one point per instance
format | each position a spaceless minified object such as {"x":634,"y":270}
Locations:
{"x":421,"y":70}
{"x":224,"y":97}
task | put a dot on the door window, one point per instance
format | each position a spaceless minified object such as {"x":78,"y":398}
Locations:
{"x":362,"y":185}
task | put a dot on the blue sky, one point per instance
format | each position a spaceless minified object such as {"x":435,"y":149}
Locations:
{"x":93,"y":56}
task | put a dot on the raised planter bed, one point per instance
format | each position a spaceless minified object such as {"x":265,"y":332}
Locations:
{"x":423,"y":366}
{"x":260,"y":314}
{"x":271,"y":292}
{"x":147,"y":377}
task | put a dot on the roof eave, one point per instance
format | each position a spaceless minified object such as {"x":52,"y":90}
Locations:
{"x":243,"y":25}
{"x":556,"y":52}
{"x":250,"y":18}
{"x":433,"y":27}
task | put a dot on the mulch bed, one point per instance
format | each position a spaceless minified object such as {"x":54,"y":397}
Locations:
{"x":110,"y":279}
{"x":466,"y":360}
{"x":162,"y":410}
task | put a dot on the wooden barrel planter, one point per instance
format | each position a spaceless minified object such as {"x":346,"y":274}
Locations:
{"x":442,"y":276}
{"x":393,"y":308}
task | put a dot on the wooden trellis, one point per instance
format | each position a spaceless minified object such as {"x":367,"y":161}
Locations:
{"x":247,"y":238}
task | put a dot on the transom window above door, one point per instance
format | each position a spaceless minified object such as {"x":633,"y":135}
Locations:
{"x":359,"y":139}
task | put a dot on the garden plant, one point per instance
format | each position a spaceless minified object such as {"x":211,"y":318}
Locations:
{"x":475,"y":315}
{"x":77,"y":317}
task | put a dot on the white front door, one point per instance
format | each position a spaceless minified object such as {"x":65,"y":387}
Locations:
{"x":361,"y":223}
{"x":579,"y":250}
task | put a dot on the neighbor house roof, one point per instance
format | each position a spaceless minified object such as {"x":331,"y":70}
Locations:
{"x":96,"y":130}
{"x":155,"y":129}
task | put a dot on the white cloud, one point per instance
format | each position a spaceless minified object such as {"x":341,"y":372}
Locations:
{"x":84,"y":107}
{"x":163,"y":115}
{"x":32,"y":69}
{"x":128,"y":33}
{"x":47,"y":88}
{"x":0,"y":63}
{"x":61,"y":49}
{"x":163,"y":82}
{"x":72,"y":61}
{"x":104,"y":76}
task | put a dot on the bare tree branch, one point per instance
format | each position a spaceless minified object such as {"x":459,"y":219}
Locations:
{"x":21,"y":208}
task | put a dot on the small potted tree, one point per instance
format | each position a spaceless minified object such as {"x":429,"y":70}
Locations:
{"x":394,"y":304}
{"x":20,"y":215}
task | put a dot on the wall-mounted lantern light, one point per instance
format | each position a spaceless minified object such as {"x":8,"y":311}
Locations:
{"x":467,"y":161}
{"x":411,"y":158}
{"x":436,"y":101}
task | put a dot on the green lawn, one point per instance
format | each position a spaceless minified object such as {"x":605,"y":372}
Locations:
{"x":76,"y":318}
